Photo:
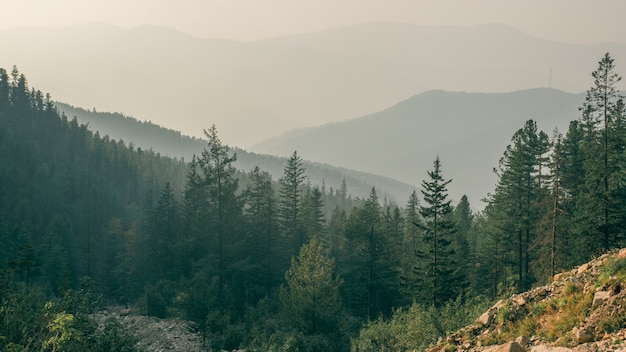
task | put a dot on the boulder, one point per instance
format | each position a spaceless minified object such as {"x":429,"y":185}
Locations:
{"x":519,"y":299}
{"x":507,"y":347}
{"x":622,"y":253}
{"x":599,"y":298}
{"x":522,"y":340}
{"x":544,"y":348}
{"x":582,"y":268}
{"x":487,"y":317}
{"x":582,"y":335}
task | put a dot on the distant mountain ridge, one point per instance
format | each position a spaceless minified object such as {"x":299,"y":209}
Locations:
{"x":260,"y":89}
{"x":147,"y":135}
{"x":469,"y":131}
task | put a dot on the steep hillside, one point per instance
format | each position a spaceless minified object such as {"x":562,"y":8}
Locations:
{"x":260,"y":89}
{"x":468,"y":131}
{"x":583,"y":309}
{"x":174,"y":144}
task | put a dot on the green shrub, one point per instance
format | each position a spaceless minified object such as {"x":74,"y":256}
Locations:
{"x":613,"y":267}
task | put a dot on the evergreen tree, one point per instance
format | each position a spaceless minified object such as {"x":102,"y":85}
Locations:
{"x":519,"y":195}
{"x":557,"y":196}
{"x":600,"y":103}
{"x":212,"y":188}
{"x":311,"y":302}
{"x":313,"y":220}
{"x":369,"y":266}
{"x":290,"y":202}
{"x":435,"y":276}
{"x":164,"y":255}
{"x":263,"y":230}
{"x":572,"y":179}
{"x":336,"y":233}
{"x":463,"y":219}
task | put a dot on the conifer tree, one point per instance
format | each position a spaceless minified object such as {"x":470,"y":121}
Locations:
{"x":165,"y":236}
{"x":224,"y":206}
{"x":290,"y":201}
{"x":597,"y":216}
{"x":519,"y":195}
{"x":311,"y":302}
{"x":312,"y":216}
{"x":263,"y":230}
{"x":557,"y":196}
{"x":436,"y":279}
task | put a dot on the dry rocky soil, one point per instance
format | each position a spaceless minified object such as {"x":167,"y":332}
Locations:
{"x":153,"y":334}
{"x":581,"y":310}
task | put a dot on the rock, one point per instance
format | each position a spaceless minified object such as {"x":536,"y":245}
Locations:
{"x":599,"y":298}
{"x":519,"y":299}
{"x":558,"y":276}
{"x":507,"y":347}
{"x":501,"y":303}
{"x":582,"y":268}
{"x":486,"y":318}
{"x":522,"y":340}
{"x":544,"y":348}
{"x":582,"y":335}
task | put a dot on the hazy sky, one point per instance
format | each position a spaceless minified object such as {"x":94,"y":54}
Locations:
{"x":575,"y":21}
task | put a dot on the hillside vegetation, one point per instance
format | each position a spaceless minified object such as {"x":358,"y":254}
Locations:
{"x":167,"y":142}
{"x":583,"y":309}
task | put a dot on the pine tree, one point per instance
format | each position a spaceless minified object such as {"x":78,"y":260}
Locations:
{"x":557,"y":196}
{"x":601,"y":101}
{"x":263,"y":230}
{"x":290,"y":202}
{"x":597,"y":215}
{"x":436,"y":279}
{"x":224,"y":206}
{"x":312,"y":216}
{"x":311,"y":300}
{"x":165,"y":236}
{"x":519,"y":195}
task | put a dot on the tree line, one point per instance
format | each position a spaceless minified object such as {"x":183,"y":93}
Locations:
{"x":282,"y":264}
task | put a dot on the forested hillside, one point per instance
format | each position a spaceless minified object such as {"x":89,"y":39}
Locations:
{"x":172,"y":143}
{"x":266,"y":265}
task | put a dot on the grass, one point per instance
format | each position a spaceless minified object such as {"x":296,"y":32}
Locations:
{"x":552,"y":320}
{"x":613,"y":267}
{"x":565,"y":313}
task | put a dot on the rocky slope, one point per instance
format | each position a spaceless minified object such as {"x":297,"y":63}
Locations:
{"x":580,"y":310}
{"x":153,"y":334}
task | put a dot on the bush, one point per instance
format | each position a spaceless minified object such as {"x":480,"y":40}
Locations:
{"x":155,"y":303}
{"x":114,"y":339}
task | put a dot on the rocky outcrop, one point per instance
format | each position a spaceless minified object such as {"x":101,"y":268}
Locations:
{"x":153,"y":334}
{"x":582,"y":310}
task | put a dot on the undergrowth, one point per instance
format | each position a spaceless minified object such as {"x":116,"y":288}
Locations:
{"x":551,"y":320}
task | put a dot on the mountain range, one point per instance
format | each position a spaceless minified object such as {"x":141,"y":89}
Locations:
{"x":255,"y":90}
{"x":468,"y":131}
